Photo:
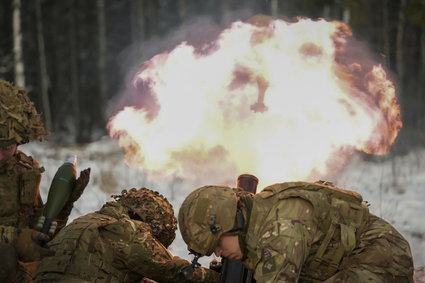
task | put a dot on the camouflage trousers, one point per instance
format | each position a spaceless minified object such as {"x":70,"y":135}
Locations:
{"x":383,"y":255}
{"x":362,"y":274}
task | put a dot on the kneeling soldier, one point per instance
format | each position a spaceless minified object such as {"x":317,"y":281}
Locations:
{"x":124,"y":241}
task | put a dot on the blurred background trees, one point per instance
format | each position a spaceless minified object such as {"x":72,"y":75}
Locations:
{"x":74,"y":56}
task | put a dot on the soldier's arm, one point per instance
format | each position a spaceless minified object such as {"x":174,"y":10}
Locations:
{"x":148,"y":257}
{"x":285,"y":241}
{"x":25,"y":241}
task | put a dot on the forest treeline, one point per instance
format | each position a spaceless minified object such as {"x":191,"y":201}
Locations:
{"x":72,"y":56}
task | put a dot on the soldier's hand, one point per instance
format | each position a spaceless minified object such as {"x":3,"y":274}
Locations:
{"x":216,"y":265}
{"x":80,"y":184}
{"x":28,"y":245}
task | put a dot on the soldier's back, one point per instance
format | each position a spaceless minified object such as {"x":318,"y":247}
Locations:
{"x":86,"y":250}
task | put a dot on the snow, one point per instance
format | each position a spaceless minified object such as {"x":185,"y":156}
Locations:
{"x":395,"y":187}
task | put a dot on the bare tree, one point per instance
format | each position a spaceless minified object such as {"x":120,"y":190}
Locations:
{"x":326,"y":11}
{"x":421,"y":82}
{"x":17,"y":44}
{"x":101,"y":61}
{"x":386,"y":32}
{"x":346,"y":14}
{"x":137,"y":26}
{"x":274,"y":7}
{"x":44,"y":79}
{"x":222,"y":7}
{"x":182,"y":10}
{"x":74,"y":71}
{"x":399,"y":44}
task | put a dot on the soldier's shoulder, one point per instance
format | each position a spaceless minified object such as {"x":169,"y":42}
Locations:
{"x":26,"y":161}
{"x":126,"y":226}
{"x":24,"y":158}
{"x":20,"y":163}
{"x":279,"y":187}
{"x":307,"y":188}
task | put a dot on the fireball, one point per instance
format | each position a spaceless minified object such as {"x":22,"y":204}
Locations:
{"x":281,"y":100}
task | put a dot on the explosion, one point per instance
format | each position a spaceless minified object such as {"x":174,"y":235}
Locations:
{"x":281,"y":100}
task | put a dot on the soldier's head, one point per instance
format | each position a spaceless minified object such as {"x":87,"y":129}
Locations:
{"x":153,"y":209}
{"x":209,"y":222}
{"x":19,"y":121}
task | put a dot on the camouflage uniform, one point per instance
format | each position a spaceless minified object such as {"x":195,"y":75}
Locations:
{"x":19,"y":193}
{"x":122,"y":242}
{"x":21,"y":204}
{"x":305,"y":232}
{"x":20,"y":175}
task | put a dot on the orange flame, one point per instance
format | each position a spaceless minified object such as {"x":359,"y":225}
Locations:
{"x":283,"y":101}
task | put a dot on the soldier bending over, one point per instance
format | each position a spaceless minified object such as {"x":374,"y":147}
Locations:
{"x":124,"y":241}
{"x":296,"y":232}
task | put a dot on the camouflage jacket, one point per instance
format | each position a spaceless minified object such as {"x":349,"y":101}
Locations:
{"x":21,"y":203}
{"x":307,"y":232}
{"x":108,"y":246}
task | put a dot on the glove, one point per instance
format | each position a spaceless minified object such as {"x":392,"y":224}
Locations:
{"x":28,"y":245}
{"x":216,"y":265}
{"x":80,"y":185}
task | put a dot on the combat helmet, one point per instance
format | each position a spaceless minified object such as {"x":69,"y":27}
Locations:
{"x":206,"y":214}
{"x":19,"y":120}
{"x":152,"y":208}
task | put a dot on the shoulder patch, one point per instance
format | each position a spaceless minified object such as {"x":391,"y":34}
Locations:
{"x":269,"y":265}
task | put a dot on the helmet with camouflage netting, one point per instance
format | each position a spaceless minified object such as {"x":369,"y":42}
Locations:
{"x":206,"y":214}
{"x":19,"y":120}
{"x":152,"y":208}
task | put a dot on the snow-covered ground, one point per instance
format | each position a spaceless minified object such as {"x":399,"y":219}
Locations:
{"x":395,"y":187}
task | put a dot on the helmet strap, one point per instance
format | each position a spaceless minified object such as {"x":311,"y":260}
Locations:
{"x":187,"y":272}
{"x":195,"y":259}
{"x":239,"y":221}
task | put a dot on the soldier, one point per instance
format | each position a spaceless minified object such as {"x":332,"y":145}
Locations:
{"x":124,"y":241}
{"x":20,"y":175}
{"x":296,"y":232}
